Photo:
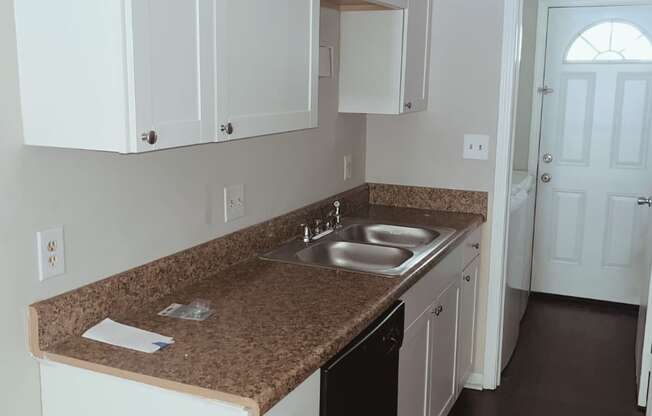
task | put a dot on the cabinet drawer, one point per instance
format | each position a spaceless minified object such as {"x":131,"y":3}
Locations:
{"x":420,"y":296}
{"x":471,"y":246}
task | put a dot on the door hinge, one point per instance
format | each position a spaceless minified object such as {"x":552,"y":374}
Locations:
{"x":545,"y":90}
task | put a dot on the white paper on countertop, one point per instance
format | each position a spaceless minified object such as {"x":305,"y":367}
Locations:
{"x":114,"y":333}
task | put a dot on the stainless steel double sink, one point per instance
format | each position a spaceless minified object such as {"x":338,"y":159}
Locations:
{"x":365,"y":246}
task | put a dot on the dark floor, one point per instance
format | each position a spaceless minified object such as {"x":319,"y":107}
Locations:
{"x":574,"y":358}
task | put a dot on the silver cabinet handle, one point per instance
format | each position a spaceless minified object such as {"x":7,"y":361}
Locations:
{"x":476,"y":246}
{"x":545,"y":178}
{"x":467,"y":278}
{"x":408,"y":105}
{"x":645,"y":201}
{"x":438,"y":310}
{"x":547,"y":158}
{"x":150,"y":137}
{"x":227,"y":128}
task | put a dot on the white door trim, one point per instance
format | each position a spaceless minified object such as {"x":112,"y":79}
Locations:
{"x":510,"y":65}
{"x":512,"y":22}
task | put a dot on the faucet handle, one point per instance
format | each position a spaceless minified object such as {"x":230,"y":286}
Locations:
{"x":318,"y":226}
{"x":338,"y":215}
{"x":307,"y":234}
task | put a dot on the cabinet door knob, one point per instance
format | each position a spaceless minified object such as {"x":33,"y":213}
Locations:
{"x":476,"y":246}
{"x":150,"y":137}
{"x":467,"y":278}
{"x":408,"y":105}
{"x":227,"y":128}
{"x":439,"y":310}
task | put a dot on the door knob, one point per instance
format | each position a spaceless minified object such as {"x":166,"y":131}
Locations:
{"x":545,"y":178}
{"x":547,"y":158}
{"x":645,"y":201}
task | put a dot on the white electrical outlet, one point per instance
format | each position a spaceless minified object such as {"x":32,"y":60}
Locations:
{"x":348,"y":167}
{"x":51,"y":253}
{"x":476,"y":146}
{"x":234,"y":202}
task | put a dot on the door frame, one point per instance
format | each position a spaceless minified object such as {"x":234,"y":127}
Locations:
{"x":510,"y":65}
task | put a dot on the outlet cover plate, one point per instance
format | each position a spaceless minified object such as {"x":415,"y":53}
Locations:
{"x":51,"y":253}
{"x":348,"y":167}
{"x":234,"y":202}
{"x":476,"y":147}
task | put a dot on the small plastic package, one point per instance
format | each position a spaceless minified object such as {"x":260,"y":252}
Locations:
{"x":197,"y":310}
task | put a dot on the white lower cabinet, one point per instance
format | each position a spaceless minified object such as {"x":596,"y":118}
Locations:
{"x":438,"y":347}
{"x":73,"y":391}
{"x":443,"y":388}
{"x":466,"y":330}
{"x":413,"y":374}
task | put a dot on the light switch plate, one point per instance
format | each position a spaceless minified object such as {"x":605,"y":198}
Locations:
{"x":325,"y":61}
{"x":234,"y":202}
{"x":476,"y":146}
{"x":51,"y":253}
{"x":348,"y":167}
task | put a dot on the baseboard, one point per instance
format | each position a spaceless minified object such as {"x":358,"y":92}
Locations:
{"x":474,"y":382}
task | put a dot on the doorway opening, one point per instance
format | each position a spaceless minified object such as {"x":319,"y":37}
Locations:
{"x":580,"y":165}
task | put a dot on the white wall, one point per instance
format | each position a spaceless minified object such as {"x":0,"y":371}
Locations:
{"x":526,"y":85}
{"x":123,"y":211}
{"x":425,"y":149}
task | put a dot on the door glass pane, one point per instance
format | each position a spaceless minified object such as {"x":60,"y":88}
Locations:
{"x":611,"y":41}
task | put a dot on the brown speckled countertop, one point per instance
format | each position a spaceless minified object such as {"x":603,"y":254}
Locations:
{"x":274,"y":324}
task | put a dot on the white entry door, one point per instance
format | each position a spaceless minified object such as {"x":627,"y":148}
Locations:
{"x":595,"y":153}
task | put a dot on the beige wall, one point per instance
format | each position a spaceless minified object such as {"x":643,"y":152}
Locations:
{"x":425,"y":149}
{"x":122,"y":211}
{"x":526,"y":85}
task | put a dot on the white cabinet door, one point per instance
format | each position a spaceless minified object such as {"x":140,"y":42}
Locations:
{"x":444,"y":341}
{"x":416,"y":56}
{"x":171,"y":63}
{"x":267,"y":66}
{"x":466,"y":334}
{"x":414,"y":367}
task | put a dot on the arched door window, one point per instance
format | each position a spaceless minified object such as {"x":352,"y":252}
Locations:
{"x":610,"y":41}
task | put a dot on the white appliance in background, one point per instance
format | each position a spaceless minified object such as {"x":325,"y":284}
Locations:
{"x":519,"y":259}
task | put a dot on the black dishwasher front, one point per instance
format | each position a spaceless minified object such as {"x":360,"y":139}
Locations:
{"x":363,"y":378}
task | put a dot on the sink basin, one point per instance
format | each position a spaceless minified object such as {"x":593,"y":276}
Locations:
{"x":390,"y":235}
{"x":362,"y":245}
{"x":348,"y":255}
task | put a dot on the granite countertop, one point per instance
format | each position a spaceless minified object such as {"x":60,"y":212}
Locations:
{"x":274,"y":323}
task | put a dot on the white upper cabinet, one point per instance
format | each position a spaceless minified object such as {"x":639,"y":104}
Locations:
{"x":140,"y":75}
{"x":268,"y":63}
{"x":172,"y":68}
{"x":124,"y":76}
{"x":385,"y":57}
{"x":416,"y":56}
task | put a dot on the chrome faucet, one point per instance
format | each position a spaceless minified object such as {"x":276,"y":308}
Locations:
{"x":332,"y":222}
